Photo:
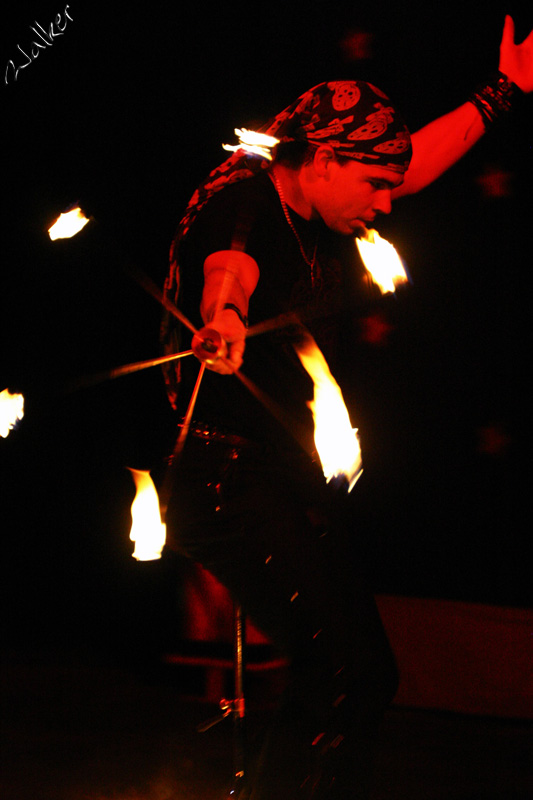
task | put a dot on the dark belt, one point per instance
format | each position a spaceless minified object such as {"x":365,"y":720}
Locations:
{"x":294,"y":462}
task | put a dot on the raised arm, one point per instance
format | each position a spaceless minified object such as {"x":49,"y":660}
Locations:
{"x":439,"y":145}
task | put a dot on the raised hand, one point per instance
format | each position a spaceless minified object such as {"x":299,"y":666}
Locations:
{"x":516,"y":60}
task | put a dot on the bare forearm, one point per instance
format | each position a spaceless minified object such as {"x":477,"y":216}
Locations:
{"x":217,"y":294}
{"x":229,"y":277}
{"x":439,"y":145}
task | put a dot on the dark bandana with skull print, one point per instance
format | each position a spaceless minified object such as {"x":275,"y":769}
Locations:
{"x":354,"y":117}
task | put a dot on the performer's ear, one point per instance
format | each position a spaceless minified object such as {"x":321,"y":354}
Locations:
{"x":323,"y":159}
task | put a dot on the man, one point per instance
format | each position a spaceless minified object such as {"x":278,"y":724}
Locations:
{"x":261,"y":240}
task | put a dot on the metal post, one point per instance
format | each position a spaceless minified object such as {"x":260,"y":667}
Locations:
{"x":239,"y":705}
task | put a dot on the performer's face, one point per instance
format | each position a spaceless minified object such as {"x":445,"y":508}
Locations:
{"x":349,"y":195}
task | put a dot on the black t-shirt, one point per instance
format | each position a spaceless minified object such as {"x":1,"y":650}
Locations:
{"x":250,"y":212}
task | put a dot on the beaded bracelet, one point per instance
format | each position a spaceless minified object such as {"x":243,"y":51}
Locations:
{"x":495,"y":98}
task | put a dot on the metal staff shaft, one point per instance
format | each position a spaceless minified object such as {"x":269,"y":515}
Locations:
{"x":166,"y":490}
{"x":274,"y":324}
{"x":152,"y":362}
{"x":238,"y":704}
{"x":126,"y":369}
{"x":188,"y":416}
{"x":148,"y":284}
{"x":290,"y":424}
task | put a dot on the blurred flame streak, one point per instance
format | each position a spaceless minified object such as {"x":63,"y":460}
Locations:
{"x":11,"y":411}
{"x":253,"y":142}
{"x":147,"y":530}
{"x":68,"y":224}
{"x":381,"y":261}
{"x":336,"y":441}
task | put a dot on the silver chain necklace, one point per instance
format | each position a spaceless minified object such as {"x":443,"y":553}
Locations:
{"x":309,"y":261}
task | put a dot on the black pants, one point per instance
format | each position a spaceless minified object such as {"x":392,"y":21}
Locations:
{"x":282,"y":542}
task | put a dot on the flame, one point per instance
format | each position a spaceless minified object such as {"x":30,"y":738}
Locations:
{"x":253,"y":142}
{"x":381,"y":261}
{"x":11,"y":411}
{"x":336,"y":441}
{"x":147,"y":530}
{"x":68,"y":224}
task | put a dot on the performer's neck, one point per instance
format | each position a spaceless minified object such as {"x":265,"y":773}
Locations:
{"x":289,"y":180}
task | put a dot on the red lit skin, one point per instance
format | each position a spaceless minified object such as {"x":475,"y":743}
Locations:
{"x":347,"y":197}
{"x":442,"y":143}
{"x":516,"y":60}
{"x":230,"y":276}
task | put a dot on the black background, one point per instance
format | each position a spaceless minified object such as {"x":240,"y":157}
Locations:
{"x":125,"y":113}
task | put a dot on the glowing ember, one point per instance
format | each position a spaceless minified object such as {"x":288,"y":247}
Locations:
{"x":253,"y":142}
{"x":147,"y":530}
{"x":381,"y":261}
{"x":11,"y":410}
{"x":68,"y":224}
{"x":336,"y":441}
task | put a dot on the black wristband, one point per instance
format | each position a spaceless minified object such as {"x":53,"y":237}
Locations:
{"x":495,"y":98}
{"x":233,"y":307}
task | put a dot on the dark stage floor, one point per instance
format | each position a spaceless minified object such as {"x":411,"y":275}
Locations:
{"x":80,"y":726}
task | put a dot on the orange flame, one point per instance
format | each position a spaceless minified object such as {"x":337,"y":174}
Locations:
{"x":147,"y":530}
{"x":68,"y":224}
{"x":11,"y":411}
{"x":382,"y":261}
{"x":253,"y":142}
{"x":336,"y":441}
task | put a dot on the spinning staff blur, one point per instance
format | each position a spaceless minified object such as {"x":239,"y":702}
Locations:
{"x":269,"y":235}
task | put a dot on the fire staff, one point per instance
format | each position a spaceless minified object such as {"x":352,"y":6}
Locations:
{"x":262,"y":237}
